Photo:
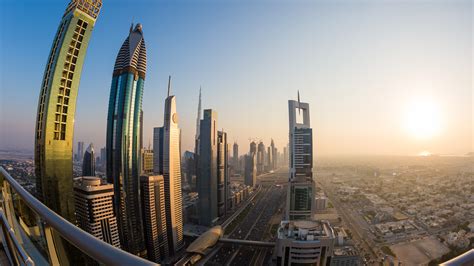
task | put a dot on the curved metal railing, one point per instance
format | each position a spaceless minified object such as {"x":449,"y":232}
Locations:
{"x":93,"y":247}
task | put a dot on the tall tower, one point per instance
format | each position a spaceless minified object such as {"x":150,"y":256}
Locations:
{"x":123,"y":137}
{"x":250,"y":169}
{"x":88,"y":163}
{"x":198,"y":127}
{"x":80,"y":150}
{"x":57,"y":106}
{"x":152,"y":194}
{"x":235,"y":156}
{"x":95,"y":210}
{"x":300,"y":196}
{"x":260,"y":158}
{"x":222,"y":173}
{"x":166,"y":145}
{"x":207,"y":178}
{"x":274,"y":155}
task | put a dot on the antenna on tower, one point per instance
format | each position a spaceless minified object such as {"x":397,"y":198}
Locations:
{"x":169,"y":85}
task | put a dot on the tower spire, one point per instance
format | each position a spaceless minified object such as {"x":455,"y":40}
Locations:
{"x":299,"y":109}
{"x":198,"y":119}
{"x":169,"y":85}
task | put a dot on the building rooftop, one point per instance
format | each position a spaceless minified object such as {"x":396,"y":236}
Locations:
{"x":305,"y":230}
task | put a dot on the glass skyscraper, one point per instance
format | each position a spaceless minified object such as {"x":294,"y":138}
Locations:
{"x":123,"y":137}
{"x":57,"y":105}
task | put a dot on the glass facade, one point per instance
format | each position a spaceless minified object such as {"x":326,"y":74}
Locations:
{"x":124,"y":138}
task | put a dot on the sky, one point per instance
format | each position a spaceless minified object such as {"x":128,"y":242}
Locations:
{"x":381,"y":77}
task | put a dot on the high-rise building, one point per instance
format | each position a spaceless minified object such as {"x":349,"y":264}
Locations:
{"x":222,"y":173}
{"x":152,"y":193}
{"x":123,"y":137}
{"x":260,"y":158}
{"x":285,"y":156}
{"x":250,"y":169}
{"x":207,"y":177}
{"x":80,"y":150}
{"x":88,"y":163}
{"x":167,"y":162}
{"x":274,"y":155}
{"x":103,"y":159}
{"x":95,"y":210}
{"x":301,"y":191}
{"x":147,"y":162}
{"x":198,"y":125}
{"x":235,"y":156}
{"x":269,"y":159}
{"x":57,"y":106}
{"x":253,"y":147}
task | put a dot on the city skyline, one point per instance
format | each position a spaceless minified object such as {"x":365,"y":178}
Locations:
{"x":360,"y":92}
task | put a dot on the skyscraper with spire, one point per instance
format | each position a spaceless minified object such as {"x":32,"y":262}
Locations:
{"x":123,"y":137}
{"x":57,"y":106}
{"x":166,"y":147}
{"x":198,"y":125}
{"x":301,"y":191}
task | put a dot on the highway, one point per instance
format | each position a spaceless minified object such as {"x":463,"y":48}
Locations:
{"x":255,"y":226}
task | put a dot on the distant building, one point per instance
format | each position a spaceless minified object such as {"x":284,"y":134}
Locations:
{"x":260,"y":158}
{"x":250,"y":170}
{"x":269,"y":159}
{"x":93,"y":199}
{"x":345,"y":256}
{"x":301,"y":191}
{"x":147,"y":162}
{"x":189,"y":167}
{"x":207,"y":176}
{"x":285,"y":156}
{"x":235,"y":156}
{"x":304,"y":243}
{"x":103,"y":159}
{"x":274,"y":152}
{"x":222,"y":173}
{"x":253,"y":147}
{"x":80,"y":151}
{"x":152,"y":193}
{"x":88,"y":163}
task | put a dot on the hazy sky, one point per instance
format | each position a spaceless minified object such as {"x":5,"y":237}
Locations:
{"x":363,"y":66}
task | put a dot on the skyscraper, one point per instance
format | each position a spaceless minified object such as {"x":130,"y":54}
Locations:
{"x":147,"y":162}
{"x":207,"y":177}
{"x":274,"y":155}
{"x":152,"y":193}
{"x":103,"y":159}
{"x":250,"y":169}
{"x":198,"y":125}
{"x":95,"y":210}
{"x":88,"y":163}
{"x":301,"y":189}
{"x":269,"y":159}
{"x":166,"y":145}
{"x":222,"y":173}
{"x":235,"y":156}
{"x":57,"y":106}
{"x":260,"y":158}
{"x":80,"y":150}
{"x":123,"y":137}
{"x":253,"y":147}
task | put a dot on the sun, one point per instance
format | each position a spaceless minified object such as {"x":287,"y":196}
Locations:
{"x":423,"y":120}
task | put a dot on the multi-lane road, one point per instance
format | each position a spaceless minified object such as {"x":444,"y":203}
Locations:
{"x":256,"y":225}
